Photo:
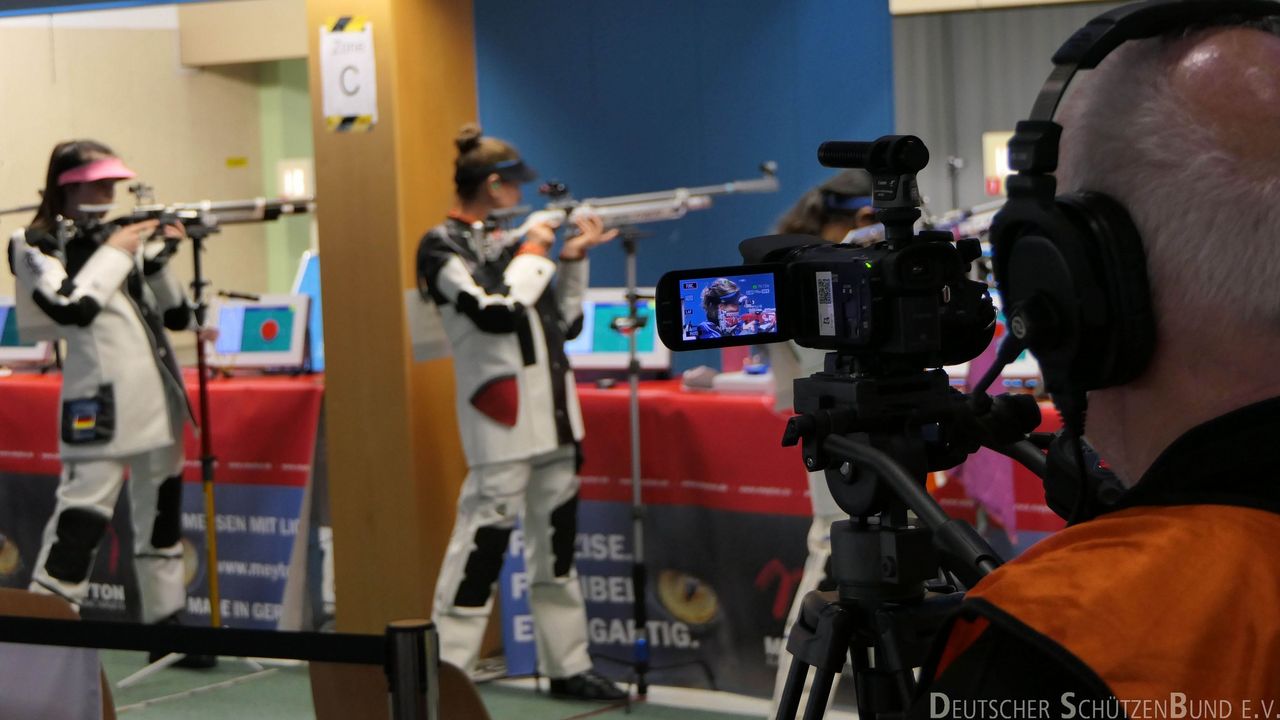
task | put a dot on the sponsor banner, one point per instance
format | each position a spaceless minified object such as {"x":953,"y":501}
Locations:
{"x":26,"y":503}
{"x":256,"y":528}
{"x":718,"y":589}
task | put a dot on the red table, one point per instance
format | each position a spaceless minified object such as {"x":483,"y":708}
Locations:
{"x":725,"y":451}
{"x":264,"y":428}
{"x":697,"y":448}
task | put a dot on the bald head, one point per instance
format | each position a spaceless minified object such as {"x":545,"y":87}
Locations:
{"x":1230,"y":80}
{"x":1185,"y":133}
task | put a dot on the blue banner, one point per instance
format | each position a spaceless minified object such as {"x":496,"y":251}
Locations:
{"x":256,"y":527}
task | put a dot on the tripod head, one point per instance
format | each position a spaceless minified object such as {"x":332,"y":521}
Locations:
{"x":877,"y":437}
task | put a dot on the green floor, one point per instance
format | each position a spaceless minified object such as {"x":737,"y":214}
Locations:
{"x":285,"y":693}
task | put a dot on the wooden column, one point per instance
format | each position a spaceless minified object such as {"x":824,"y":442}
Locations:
{"x":395,"y":460}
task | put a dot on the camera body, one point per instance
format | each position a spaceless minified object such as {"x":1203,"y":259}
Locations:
{"x":900,"y":305}
{"x":907,"y":304}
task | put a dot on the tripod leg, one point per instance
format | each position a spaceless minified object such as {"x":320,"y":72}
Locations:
{"x":791,"y":692}
{"x":817,"y":707}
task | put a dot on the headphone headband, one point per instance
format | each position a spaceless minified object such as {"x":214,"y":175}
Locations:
{"x":1072,"y":267}
{"x":1090,"y":44}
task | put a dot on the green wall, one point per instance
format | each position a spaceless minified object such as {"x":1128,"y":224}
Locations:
{"x":286,"y":133}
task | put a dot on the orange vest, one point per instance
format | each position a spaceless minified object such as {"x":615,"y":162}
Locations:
{"x":1158,"y":600}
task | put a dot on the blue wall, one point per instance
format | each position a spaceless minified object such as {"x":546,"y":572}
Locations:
{"x":617,"y":97}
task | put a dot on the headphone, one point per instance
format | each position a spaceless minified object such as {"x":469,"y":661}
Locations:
{"x":1071,"y":267}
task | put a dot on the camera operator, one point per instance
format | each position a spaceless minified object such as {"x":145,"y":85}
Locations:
{"x":1174,"y":591}
{"x":829,"y":211}
{"x":517,"y":412}
{"x":108,"y":293}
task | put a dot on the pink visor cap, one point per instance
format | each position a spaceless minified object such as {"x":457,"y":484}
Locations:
{"x":107,"y":168}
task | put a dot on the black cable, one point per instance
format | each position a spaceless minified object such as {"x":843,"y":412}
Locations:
{"x":1077,"y":511}
{"x":1009,"y":350}
{"x":231,"y":642}
{"x":1025,"y":453}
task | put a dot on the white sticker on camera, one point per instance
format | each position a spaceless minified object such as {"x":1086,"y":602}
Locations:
{"x":826,"y":307}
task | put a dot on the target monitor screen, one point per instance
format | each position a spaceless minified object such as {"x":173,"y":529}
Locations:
{"x":268,"y":332}
{"x":13,"y":351}
{"x":307,"y":282}
{"x":601,"y":346}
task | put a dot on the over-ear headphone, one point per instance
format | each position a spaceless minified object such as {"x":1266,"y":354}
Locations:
{"x":1071,"y":268}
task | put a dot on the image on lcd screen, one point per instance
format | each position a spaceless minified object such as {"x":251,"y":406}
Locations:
{"x":9,"y":328}
{"x":728,"y":306}
{"x":254,"y":329}
{"x":598,"y":335}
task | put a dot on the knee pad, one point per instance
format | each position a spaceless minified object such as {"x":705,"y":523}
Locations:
{"x":79,"y":532}
{"x":483,"y":565}
{"x":564,"y":532}
{"x":167,"y":529}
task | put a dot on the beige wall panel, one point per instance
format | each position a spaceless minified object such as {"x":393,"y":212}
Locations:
{"x":241,"y":31}
{"x":177,"y":127}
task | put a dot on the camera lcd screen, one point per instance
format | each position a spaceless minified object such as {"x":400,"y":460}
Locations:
{"x":729,"y":306}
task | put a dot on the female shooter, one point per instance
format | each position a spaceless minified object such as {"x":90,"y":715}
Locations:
{"x":106,"y":291}
{"x":517,"y":412}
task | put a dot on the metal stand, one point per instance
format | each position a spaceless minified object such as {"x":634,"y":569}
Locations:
{"x":629,"y":326}
{"x":198,"y":233}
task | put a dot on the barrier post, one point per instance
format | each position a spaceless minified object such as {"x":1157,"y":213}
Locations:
{"x":413,"y":661}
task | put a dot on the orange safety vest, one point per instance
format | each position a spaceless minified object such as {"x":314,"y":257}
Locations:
{"x":1156,"y":600}
{"x":1167,"y":606}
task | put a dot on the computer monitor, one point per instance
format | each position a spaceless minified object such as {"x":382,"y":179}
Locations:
{"x":307,"y":282}
{"x":265,"y":333}
{"x":13,"y":350}
{"x":600,"y":347}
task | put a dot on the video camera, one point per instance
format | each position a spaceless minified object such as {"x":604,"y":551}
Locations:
{"x":900,"y":304}
{"x":876,"y":420}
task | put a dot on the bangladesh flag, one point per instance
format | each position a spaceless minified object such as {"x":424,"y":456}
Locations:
{"x":267,"y":329}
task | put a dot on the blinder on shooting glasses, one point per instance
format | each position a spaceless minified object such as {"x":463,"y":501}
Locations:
{"x":514,"y":170}
{"x":845,"y":203}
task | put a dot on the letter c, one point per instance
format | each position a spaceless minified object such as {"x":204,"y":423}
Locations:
{"x":342,"y":80}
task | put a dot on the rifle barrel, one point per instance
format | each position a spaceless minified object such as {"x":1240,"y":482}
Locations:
{"x":19,"y":209}
{"x":223,"y":212}
{"x":767,"y":183}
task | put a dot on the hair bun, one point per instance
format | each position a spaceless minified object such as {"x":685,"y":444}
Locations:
{"x":468,"y":138}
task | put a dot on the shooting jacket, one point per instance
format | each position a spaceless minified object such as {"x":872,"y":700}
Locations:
{"x":507,"y":323}
{"x":1173,"y":593}
{"x":122,"y":390}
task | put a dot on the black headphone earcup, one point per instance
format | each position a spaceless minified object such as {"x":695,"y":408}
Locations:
{"x":1117,"y":350}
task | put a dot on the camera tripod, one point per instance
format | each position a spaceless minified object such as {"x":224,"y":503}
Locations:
{"x":877,"y":433}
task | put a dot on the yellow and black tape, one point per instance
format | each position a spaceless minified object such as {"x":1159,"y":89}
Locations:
{"x":348,"y":123}
{"x":346,"y":23}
